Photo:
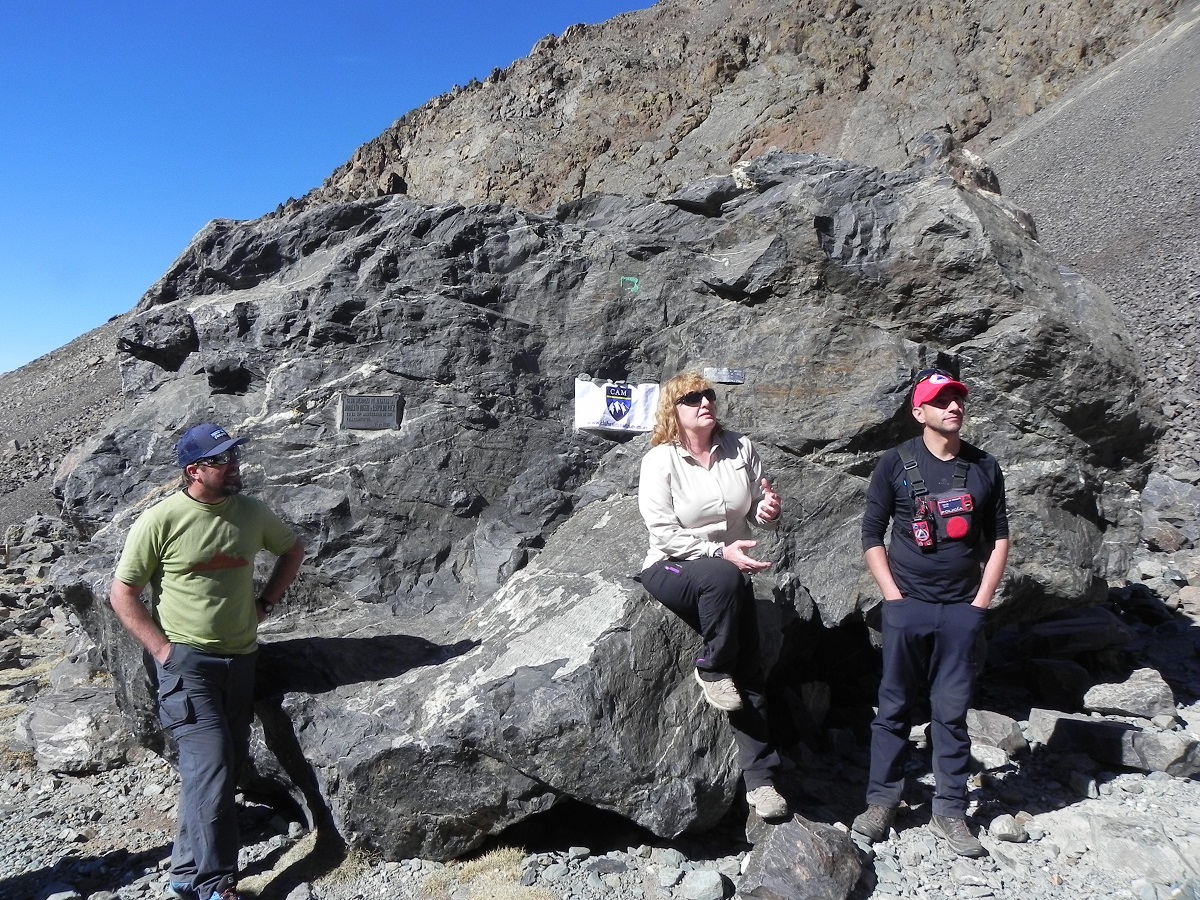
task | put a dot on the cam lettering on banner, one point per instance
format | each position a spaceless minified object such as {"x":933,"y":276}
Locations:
{"x":615,"y":406}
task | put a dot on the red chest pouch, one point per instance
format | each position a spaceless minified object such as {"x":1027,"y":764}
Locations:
{"x":954,"y":514}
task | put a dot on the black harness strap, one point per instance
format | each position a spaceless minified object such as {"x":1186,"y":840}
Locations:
{"x":916,"y":484}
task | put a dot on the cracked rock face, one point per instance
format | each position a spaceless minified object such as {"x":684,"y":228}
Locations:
{"x":464,"y":647}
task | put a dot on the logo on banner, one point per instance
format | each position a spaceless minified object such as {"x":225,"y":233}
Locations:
{"x":619,"y":400}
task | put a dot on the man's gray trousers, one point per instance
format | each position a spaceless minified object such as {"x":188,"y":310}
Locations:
{"x":206,"y":702}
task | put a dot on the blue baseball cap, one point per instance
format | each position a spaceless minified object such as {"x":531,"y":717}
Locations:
{"x":201,"y":441}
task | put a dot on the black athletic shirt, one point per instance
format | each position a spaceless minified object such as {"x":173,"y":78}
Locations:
{"x":951,"y":573}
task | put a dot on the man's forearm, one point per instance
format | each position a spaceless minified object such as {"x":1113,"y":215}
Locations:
{"x":881,"y":570}
{"x":126,"y":602}
{"x":283,"y":574}
{"x":993,"y":571}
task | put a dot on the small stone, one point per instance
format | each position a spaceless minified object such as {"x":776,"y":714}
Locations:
{"x":669,"y":876}
{"x":1007,"y":828}
{"x":1074,"y":849}
{"x":668,"y":856}
{"x":730,"y":867}
{"x":1175,"y":577}
{"x":702,"y":884}
{"x":988,"y":758}
{"x":965,"y":873}
{"x":1083,"y":785}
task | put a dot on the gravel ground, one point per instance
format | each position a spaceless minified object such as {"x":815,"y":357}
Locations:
{"x":108,"y":834}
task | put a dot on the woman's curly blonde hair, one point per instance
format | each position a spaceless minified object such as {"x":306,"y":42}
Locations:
{"x":666,"y":423}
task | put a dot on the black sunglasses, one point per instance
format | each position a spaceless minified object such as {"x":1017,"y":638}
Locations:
{"x":693,"y":398}
{"x":220,"y":459}
{"x":926,"y":374}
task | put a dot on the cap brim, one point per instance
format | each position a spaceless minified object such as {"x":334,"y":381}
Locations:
{"x":218,"y":449}
{"x":921,"y":397}
{"x":221,"y":448}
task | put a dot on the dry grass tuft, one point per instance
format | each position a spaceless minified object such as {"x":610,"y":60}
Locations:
{"x":502,"y":862}
{"x":492,"y":876}
{"x":357,"y":863}
{"x":12,"y":760}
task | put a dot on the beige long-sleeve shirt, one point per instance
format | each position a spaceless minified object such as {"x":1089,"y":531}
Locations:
{"x":692,"y":511}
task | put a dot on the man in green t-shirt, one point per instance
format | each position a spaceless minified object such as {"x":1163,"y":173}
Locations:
{"x":195,"y":550}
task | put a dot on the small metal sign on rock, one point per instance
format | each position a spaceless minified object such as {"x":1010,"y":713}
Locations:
{"x":725,"y":375}
{"x":369,"y":411}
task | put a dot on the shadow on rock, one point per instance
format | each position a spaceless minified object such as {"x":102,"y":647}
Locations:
{"x":316,"y":665}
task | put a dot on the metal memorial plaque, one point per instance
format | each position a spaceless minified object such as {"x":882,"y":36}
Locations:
{"x":726,"y":376}
{"x":369,"y":411}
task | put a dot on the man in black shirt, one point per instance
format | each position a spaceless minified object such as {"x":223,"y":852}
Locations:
{"x":948,"y":549}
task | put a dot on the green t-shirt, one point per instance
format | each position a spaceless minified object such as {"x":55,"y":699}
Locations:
{"x":199,"y":562}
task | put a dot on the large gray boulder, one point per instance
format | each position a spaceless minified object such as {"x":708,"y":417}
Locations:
{"x":482,"y":552}
{"x":569,"y":682}
{"x":79,"y":731}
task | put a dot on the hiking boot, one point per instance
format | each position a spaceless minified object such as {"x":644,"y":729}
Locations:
{"x":767,"y":802}
{"x":957,"y":835}
{"x":874,"y":822}
{"x":228,"y":893}
{"x":719,"y":690}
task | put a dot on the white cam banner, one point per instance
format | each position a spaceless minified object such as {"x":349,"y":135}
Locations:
{"x":615,"y":405}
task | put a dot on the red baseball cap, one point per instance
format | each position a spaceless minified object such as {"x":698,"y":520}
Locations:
{"x":932,"y":382}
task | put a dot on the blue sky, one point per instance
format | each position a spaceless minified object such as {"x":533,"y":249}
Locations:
{"x":126,"y":126}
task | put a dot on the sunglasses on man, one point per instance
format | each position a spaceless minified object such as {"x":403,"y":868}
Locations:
{"x":693,"y":398}
{"x":926,"y":374}
{"x":219,"y":459}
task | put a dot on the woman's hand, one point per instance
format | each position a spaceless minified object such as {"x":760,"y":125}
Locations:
{"x":772,"y":503}
{"x":736,"y":554}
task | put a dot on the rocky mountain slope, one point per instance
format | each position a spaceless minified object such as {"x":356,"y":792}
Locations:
{"x":1111,"y":174}
{"x":651,"y":100}
{"x":46,"y":408}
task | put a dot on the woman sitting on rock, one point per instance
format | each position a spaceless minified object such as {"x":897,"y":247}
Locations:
{"x":701,"y":487}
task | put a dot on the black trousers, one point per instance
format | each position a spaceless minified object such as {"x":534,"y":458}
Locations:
{"x":717,"y":602}
{"x":926,"y":646}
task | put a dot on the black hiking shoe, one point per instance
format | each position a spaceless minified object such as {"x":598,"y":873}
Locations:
{"x":874,"y":823}
{"x":956,"y":833}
